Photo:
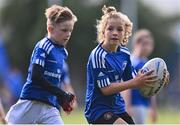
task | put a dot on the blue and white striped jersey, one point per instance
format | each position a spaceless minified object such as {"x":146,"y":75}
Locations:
{"x":65,"y":77}
{"x":51,"y":57}
{"x":104,"y":68}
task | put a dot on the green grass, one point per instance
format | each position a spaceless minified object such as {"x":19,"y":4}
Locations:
{"x":76,"y":117}
{"x":169,"y":116}
{"x":165,"y":116}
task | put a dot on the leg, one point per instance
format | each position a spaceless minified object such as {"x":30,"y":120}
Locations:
{"x":23,"y":112}
{"x":50,"y":115}
{"x":125,"y":116}
{"x":139,"y":114}
{"x":119,"y":121}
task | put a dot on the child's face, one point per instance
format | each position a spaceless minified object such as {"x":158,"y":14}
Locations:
{"x":61,"y":32}
{"x":114,"y":31}
{"x":145,"y":45}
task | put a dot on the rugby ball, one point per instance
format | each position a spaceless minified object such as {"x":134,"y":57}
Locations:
{"x":158,"y":65}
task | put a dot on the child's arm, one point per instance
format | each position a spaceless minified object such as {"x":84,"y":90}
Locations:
{"x":138,"y":81}
{"x":65,"y":99}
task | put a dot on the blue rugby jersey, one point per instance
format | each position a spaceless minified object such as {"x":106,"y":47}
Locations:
{"x":51,"y":57}
{"x":65,"y":78}
{"x":136,"y":98}
{"x":104,"y":68}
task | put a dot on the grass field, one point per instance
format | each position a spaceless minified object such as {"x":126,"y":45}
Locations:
{"x":165,"y":116}
{"x":169,"y":116}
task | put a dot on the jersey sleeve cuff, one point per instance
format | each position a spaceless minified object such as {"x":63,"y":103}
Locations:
{"x":103,"y":82}
{"x":39,"y":62}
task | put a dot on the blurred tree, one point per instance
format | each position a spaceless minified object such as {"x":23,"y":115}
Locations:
{"x":160,"y":28}
{"x":26,"y":23}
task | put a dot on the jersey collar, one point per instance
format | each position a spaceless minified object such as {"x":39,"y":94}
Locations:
{"x":54,"y":43}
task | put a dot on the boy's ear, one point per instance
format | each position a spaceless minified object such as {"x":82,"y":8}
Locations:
{"x":50,"y":28}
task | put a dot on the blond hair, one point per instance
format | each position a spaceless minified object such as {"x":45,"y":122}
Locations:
{"x":139,"y":34}
{"x":110,"y":12}
{"x":57,"y":14}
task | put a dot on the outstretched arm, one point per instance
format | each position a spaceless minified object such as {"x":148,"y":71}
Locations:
{"x":138,"y":81}
{"x":65,"y":99}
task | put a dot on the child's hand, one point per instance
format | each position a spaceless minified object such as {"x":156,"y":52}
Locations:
{"x":66,"y":102}
{"x":145,"y":79}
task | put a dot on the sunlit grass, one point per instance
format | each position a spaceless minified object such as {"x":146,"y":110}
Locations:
{"x":169,"y":116}
{"x":76,"y":117}
{"x":165,"y":116}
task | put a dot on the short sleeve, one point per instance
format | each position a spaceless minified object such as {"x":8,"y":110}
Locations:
{"x":42,"y":49}
{"x":39,"y":56}
{"x":100,"y":73}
